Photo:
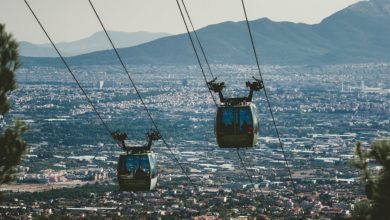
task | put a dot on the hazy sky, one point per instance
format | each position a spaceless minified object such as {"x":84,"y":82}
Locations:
{"x":68,"y":20}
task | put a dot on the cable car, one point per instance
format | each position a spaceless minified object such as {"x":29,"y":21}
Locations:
{"x":137,"y":172}
{"x":137,"y":168}
{"x":237,"y":126}
{"x":236,"y":120}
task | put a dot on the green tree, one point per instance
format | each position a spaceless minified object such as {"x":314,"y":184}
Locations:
{"x":12,"y":145}
{"x":361,"y":211}
{"x":378,"y":184}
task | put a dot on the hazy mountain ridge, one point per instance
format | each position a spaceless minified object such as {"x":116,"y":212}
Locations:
{"x":96,"y":42}
{"x":358,"y":33}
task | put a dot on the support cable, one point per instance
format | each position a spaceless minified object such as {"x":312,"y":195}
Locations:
{"x":196,"y":53}
{"x":251,"y":181}
{"x":197,"y":39}
{"x":254,"y":172}
{"x":208,"y":65}
{"x":70,"y":71}
{"x":139,"y":94}
{"x":267,"y":98}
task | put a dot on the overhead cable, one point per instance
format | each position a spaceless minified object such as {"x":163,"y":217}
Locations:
{"x":196,"y":52}
{"x":139,"y":94}
{"x":71,"y":72}
{"x":267,"y":98}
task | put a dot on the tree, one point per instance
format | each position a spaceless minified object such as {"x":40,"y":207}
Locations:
{"x":378,"y":184}
{"x":361,"y":211}
{"x":12,"y":145}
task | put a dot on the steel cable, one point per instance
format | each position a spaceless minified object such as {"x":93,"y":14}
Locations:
{"x":267,"y":98}
{"x":197,"y":39}
{"x":139,"y":94}
{"x":250,"y":179}
{"x":71,"y":72}
{"x":196,"y":53}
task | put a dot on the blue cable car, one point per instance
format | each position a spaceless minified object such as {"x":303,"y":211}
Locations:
{"x":137,"y":168}
{"x":236,"y":120}
{"x":137,"y":172}
{"x":237,"y":126}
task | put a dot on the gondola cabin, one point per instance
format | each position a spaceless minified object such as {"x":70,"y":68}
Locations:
{"x":137,"y":172}
{"x":237,"y":126}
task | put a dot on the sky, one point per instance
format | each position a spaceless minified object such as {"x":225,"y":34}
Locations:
{"x":69,"y":20}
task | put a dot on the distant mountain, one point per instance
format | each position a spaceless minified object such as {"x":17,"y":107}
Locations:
{"x":358,"y":33}
{"x":95,"y":42}
{"x":34,"y":50}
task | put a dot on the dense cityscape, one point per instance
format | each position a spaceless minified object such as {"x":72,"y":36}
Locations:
{"x":321,"y":113}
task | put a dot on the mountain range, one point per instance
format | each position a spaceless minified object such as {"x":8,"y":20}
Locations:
{"x":359,"y":33}
{"x":96,"y":42}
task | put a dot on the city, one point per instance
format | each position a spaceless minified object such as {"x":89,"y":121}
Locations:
{"x":321,"y":113}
